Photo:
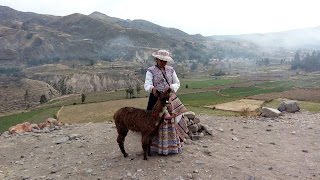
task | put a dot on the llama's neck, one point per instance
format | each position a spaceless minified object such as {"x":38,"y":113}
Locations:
{"x":159,"y":109}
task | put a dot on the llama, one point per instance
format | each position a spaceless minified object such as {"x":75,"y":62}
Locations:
{"x":146,"y":122}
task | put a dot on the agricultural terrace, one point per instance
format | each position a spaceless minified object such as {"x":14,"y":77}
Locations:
{"x":197,"y":94}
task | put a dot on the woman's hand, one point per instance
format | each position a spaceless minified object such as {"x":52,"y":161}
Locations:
{"x":154,"y":91}
{"x":167,"y":88}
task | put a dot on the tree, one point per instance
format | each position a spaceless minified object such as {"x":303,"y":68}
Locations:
{"x":296,"y":57}
{"x":83,"y":97}
{"x":26,"y":95}
{"x":127,"y":92}
{"x":130,"y":91}
{"x":138,"y":88}
{"x":43,"y":99}
{"x":194,"y":66}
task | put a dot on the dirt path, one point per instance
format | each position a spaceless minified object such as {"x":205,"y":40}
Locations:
{"x":287,"y":147}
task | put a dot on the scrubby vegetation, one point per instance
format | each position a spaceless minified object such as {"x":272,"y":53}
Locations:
{"x":41,"y":61}
{"x":11,"y":72}
{"x":311,"y":62}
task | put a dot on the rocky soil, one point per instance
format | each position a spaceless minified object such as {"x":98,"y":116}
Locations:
{"x":286,"y":147}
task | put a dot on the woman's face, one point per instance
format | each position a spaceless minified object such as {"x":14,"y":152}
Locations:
{"x":161,"y":63}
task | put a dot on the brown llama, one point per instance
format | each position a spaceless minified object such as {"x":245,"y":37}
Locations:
{"x":146,"y":122}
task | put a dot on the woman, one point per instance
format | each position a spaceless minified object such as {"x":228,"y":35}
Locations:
{"x":172,"y":131}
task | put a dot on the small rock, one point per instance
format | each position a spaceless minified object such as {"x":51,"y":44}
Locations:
{"x":63,"y":140}
{"x":193,"y":128}
{"x":88,"y":171}
{"x":190,"y":115}
{"x":199,"y":127}
{"x":196,"y":120}
{"x":304,"y":150}
{"x":270,"y":112}
{"x":26,"y":177}
{"x":289,"y":106}
{"x":74,"y":136}
{"x":235,"y":139}
{"x":201,"y":134}
{"x":53,"y":171}
{"x":46,"y":130}
{"x":189,"y":175}
{"x":195,"y":137}
{"x":293,"y":133}
{"x":207,"y":151}
{"x":196,"y":171}
{"x":220,"y":129}
{"x":187,"y":141}
{"x":179,"y":178}
{"x":270,"y":168}
{"x":6,"y":134}
{"x":199,"y":162}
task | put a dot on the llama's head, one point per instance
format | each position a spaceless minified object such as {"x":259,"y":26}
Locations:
{"x":164,"y":97}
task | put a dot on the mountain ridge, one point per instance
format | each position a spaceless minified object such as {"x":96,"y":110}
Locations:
{"x":308,"y":38}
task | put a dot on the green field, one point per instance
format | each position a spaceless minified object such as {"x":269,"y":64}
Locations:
{"x":207,"y":83}
{"x":275,"y":86}
{"x":95,"y":98}
{"x":203,"y":98}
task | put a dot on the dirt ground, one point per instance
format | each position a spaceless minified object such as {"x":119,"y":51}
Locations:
{"x":287,"y":147}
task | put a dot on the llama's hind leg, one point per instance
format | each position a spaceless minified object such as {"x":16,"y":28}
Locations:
{"x":145,"y":146}
{"x":121,"y":136}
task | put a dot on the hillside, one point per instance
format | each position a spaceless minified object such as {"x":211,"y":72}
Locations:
{"x":142,"y":25}
{"x":26,"y":36}
{"x":21,"y":94}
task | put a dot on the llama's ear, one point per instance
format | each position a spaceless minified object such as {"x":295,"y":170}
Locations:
{"x":158,"y":93}
{"x":169,"y":90}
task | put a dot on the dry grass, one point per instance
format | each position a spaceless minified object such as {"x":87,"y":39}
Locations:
{"x":245,"y":112}
{"x":239,"y":105}
{"x":97,"y":112}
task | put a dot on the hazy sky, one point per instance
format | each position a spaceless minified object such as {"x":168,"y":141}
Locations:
{"x":206,"y":17}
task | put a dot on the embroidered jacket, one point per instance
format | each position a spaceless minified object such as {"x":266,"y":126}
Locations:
{"x":154,"y":78}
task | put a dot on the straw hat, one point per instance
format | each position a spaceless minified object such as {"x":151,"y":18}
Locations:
{"x":163,"y":55}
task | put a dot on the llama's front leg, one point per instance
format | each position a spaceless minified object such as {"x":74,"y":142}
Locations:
{"x":120,"y":141}
{"x":151,"y":136}
{"x":149,"y":149}
{"x":145,"y":146}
